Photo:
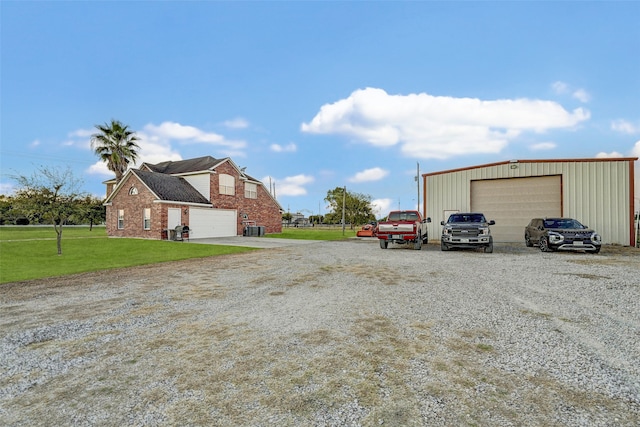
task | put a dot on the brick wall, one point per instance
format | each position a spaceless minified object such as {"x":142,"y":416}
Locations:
{"x":263,"y":210}
{"x":134,"y":206}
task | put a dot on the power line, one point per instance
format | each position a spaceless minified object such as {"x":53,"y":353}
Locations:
{"x":41,"y":157}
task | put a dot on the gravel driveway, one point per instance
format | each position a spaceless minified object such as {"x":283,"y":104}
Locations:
{"x":330,"y":334}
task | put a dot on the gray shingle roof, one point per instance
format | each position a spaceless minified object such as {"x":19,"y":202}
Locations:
{"x":170,"y":188}
{"x":185,"y":166}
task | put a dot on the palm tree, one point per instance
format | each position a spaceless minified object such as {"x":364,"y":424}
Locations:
{"x":116,"y":145}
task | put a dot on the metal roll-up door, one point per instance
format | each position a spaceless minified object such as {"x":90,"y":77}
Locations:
{"x":513,"y":202}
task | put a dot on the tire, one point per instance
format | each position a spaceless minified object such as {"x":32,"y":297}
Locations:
{"x":383,"y":244}
{"x":443,"y":246}
{"x":596,"y":251}
{"x":489,"y":248}
{"x":527,"y":240}
{"x":417,"y":245}
{"x":544,"y":244}
{"x":425,"y":239}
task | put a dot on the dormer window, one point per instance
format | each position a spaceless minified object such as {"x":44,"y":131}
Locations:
{"x":133,"y":191}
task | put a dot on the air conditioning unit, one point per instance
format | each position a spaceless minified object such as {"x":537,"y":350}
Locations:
{"x":251,"y":230}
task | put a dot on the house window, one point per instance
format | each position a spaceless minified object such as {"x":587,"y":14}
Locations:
{"x":147,"y":219}
{"x":227,"y":185}
{"x":120,"y":219}
{"x":133,"y":191}
{"x":250,"y":190}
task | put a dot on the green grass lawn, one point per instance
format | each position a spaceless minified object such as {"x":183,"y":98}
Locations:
{"x":30,"y":252}
{"x":314,"y":233}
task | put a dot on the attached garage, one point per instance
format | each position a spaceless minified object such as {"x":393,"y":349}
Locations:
{"x":597,"y":192}
{"x":205,"y":223}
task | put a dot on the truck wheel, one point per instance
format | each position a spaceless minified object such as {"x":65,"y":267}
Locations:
{"x":417,"y":244}
{"x":383,"y":244}
{"x":544,"y":244}
{"x":527,"y":240}
{"x":425,"y":239}
{"x":443,"y":246}
{"x":489,"y":248}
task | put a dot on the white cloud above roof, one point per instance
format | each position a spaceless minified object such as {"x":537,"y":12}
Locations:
{"x":237,"y":123}
{"x":581,"y":95}
{"x":289,"y":186}
{"x":427,"y":126}
{"x":624,"y":126}
{"x":611,"y":155}
{"x":543,"y":146}
{"x":289,"y":148}
{"x":368,"y":175}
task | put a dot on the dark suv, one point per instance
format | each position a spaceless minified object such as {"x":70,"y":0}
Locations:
{"x":467,"y":230}
{"x":561,"y":234}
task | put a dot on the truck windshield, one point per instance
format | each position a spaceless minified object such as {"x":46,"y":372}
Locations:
{"x":563,"y":223}
{"x":467,"y":218}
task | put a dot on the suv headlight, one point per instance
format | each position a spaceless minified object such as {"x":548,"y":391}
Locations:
{"x":555,"y":237}
{"x":446,"y":230}
{"x":484,"y":231}
{"x":595,"y":238}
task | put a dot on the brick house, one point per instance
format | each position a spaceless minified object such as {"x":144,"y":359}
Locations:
{"x":213,"y":197}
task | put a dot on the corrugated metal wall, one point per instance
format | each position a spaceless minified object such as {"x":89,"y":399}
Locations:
{"x":597,"y":192}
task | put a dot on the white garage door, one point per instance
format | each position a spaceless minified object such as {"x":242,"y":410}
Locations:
{"x":205,"y":223}
{"x":513,"y":202}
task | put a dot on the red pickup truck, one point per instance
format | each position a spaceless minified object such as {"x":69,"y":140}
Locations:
{"x":403,"y":227}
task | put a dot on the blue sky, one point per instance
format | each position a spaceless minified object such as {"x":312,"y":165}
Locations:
{"x":316,"y":95}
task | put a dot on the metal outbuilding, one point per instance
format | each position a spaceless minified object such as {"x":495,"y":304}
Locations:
{"x":597,"y":192}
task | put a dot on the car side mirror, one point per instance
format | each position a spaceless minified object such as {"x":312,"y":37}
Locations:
{"x":441,"y":222}
{"x":428,"y":219}
{"x":492,"y":222}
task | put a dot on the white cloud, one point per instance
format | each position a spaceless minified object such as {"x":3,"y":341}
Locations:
{"x":289,"y":148}
{"x":581,"y":95}
{"x":543,"y":146}
{"x":426,"y":126}
{"x":289,"y":186}
{"x":189,"y":134}
{"x":635,"y":151}
{"x":367,"y":175}
{"x":237,"y":123}
{"x":381,"y":207}
{"x":80,"y":138}
{"x":7,"y":188}
{"x":560,"y":87}
{"x":611,"y":155}
{"x":35,"y":143}
{"x":624,"y":126}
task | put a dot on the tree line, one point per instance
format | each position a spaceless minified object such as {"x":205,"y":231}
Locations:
{"x":357,"y":209}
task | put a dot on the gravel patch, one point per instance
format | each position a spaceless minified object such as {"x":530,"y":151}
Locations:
{"x":330,"y":334}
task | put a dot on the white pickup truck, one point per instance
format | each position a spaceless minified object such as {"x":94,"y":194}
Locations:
{"x":403,"y":227}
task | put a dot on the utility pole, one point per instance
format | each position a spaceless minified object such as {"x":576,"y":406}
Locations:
{"x":418,"y":182}
{"x":344,"y":202}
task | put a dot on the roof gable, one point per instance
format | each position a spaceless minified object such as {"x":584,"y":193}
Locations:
{"x":205,"y":163}
{"x":170,"y":188}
